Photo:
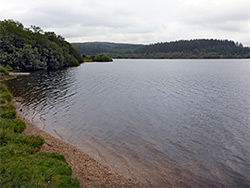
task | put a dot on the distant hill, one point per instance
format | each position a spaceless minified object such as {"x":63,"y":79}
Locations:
{"x":183,"y":49}
{"x":200,"y":48}
{"x":94,"y":48}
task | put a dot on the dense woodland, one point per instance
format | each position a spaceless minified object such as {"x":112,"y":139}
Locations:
{"x":33,"y":49}
{"x":184,"y":49}
{"x":203,"y":48}
{"x":94,"y":48}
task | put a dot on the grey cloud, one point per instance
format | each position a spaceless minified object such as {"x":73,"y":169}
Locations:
{"x":221,"y":14}
{"x":134,"y":20}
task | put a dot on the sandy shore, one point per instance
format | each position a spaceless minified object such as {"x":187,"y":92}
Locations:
{"x":13,"y":75}
{"x":19,"y":73}
{"x":87,"y":170}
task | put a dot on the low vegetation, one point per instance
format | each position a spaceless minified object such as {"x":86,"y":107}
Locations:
{"x":30,"y":49}
{"x":7,"y":110}
{"x":97,"y":58}
{"x":3,"y":71}
{"x":21,"y":164}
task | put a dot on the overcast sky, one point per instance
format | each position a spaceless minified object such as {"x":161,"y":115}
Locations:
{"x":134,"y":21}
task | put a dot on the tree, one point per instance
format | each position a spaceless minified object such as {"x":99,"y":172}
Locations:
{"x":32,"y":49}
{"x":102,"y":58}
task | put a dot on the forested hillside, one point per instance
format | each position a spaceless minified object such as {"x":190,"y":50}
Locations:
{"x":94,"y":48}
{"x":33,"y":49}
{"x":200,"y":48}
{"x":184,"y":49}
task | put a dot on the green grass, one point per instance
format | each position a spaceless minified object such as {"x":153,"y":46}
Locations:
{"x":7,"y":109}
{"x":20,"y":164}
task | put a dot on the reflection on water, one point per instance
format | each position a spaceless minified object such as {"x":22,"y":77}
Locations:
{"x":164,"y":122}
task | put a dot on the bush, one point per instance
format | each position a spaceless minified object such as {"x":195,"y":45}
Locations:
{"x":9,"y":68}
{"x":3,"y":71}
{"x":102,"y":58}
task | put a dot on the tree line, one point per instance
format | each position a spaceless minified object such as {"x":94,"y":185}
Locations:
{"x":185,"y":49}
{"x":33,"y":49}
{"x":200,"y":48}
{"x":94,"y":48}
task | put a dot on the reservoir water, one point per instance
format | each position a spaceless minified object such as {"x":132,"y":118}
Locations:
{"x":181,"y":123}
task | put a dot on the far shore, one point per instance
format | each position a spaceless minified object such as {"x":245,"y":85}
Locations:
{"x":90,"y":172}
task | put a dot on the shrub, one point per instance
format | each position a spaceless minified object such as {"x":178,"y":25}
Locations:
{"x":9,"y":68}
{"x":3,"y":71}
{"x":102,"y":58}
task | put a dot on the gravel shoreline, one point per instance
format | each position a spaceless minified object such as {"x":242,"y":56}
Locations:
{"x":90,"y":172}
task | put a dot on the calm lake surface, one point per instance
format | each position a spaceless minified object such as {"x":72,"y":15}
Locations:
{"x":163,"y":122}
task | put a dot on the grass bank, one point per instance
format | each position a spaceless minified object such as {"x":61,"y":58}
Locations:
{"x":20,"y":163}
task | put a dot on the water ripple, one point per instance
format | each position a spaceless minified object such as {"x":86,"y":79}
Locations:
{"x":165,"y":122}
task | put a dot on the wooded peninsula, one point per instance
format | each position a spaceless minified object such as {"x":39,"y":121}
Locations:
{"x":32,"y":49}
